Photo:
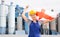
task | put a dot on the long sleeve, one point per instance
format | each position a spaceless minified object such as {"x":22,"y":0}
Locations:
{"x":48,"y":17}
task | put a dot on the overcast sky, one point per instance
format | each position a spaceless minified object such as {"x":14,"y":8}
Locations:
{"x":38,"y":4}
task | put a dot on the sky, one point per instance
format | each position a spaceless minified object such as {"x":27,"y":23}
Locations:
{"x":38,"y":5}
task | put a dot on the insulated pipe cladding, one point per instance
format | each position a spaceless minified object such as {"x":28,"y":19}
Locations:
{"x":19,"y":23}
{"x":3,"y":10}
{"x":53,"y":25}
{"x":11,"y":18}
{"x":45,"y":28}
{"x":19,"y":19}
{"x":59,"y":22}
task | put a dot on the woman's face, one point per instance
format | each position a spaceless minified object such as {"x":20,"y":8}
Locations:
{"x":33,"y":17}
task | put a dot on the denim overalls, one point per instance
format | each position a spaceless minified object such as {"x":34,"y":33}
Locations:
{"x":34,"y":29}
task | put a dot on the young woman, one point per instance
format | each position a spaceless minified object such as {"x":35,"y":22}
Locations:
{"x":34,"y":24}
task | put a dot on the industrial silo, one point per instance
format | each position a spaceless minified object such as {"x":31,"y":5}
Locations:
{"x":46,"y":28}
{"x":59,"y":22}
{"x":3,"y":17}
{"x":53,"y":27}
{"x":11,"y":18}
{"x":19,"y":25}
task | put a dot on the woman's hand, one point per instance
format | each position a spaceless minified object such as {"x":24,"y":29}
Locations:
{"x":25,"y":9}
{"x":45,"y":21}
{"x":48,"y":21}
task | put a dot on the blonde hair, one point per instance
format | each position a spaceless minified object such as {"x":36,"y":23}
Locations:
{"x":32,"y":12}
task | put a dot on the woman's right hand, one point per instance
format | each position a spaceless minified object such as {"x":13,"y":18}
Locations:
{"x":25,"y":9}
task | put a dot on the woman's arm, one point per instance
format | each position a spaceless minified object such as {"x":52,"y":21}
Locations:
{"x":49,"y":21}
{"x":23,"y":14}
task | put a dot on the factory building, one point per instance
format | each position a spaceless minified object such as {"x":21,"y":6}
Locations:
{"x":11,"y":21}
